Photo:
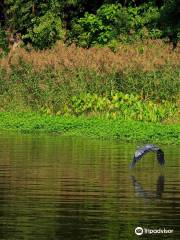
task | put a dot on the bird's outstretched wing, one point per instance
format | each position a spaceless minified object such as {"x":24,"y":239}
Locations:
{"x":134,"y":161}
{"x":160,"y":157}
{"x":140,"y":153}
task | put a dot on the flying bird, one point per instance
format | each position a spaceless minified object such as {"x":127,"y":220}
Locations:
{"x":140,"y":152}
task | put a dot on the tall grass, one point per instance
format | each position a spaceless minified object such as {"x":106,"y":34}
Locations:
{"x":147,"y":56}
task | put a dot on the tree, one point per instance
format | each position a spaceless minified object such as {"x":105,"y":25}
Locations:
{"x":169,"y":20}
{"x":109,"y":21}
{"x":38,"y":22}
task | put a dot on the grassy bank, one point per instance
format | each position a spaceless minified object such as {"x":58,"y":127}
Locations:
{"x":137,"y":82}
{"x":92,"y":127}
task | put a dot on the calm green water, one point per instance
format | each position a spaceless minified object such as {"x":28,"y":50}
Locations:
{"x":54,"y":187}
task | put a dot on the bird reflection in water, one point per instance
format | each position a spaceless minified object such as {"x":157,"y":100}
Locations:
{"x":140,"y":192}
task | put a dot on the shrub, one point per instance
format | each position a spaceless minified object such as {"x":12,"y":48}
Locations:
{"x":143,"y":15}
{"x":109,"y":21}
{"x":144,"y":23}
{"x":45,"y":31}
{"x":112,"y":21}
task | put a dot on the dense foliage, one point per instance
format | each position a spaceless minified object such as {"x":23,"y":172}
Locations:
{"x":42,"y":23}
{"x":109,"y":22}
{"x":45,"y":31}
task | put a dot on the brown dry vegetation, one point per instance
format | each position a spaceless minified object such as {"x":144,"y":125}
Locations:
{"x":147,"y":57}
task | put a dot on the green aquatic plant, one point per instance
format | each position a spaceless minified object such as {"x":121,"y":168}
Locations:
{"x":125,"y":106}
{"x":96,"y":127}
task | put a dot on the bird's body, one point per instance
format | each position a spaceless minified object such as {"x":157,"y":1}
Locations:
{"x":145,"y":149}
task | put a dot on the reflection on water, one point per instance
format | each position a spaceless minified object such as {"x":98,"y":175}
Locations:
{"x":146,"y":194}
{"x":54,"y":187}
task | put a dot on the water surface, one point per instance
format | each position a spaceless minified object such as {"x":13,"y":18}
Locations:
{"x":54,"y":187}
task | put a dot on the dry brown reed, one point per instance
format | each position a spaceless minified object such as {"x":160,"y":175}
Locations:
{"x":147,"y":56}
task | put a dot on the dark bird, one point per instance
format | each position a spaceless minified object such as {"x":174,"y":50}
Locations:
{"x":145,"y":149}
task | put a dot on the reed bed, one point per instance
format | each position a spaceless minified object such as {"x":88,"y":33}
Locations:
{"x":147,"y":56}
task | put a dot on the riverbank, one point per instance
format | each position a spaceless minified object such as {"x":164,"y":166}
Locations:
{"x":91,"y":127}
